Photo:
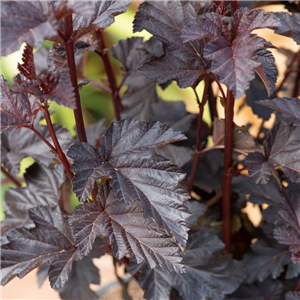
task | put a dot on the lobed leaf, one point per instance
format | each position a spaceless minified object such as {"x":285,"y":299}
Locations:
{"x":209,"y":274}
{"x":290,"y":24}
{"x":281,"y":150}
{"x":127,"y":156}
{"x":126,"y":231}
{"x":290,"y":235}
{"x":17,"y":109}
{"x":265,"y":260}
{"x":288,"y":107}
{"x":24,"y":143}
{"x":31,"y":22}
{"x":292,"y":295}
{"x":50,"y":242}
{"x":232,"y":49}
{"x":165,"y":20}
{"x":42,"y":188}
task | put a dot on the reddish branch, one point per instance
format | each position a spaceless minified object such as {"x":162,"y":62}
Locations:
{"x":10,"y":177}
{"x":59,"y":151}
{"x":69,"y":45}
{"x":103,"y":53}
{"x":297,"y":286}
{"x":227,"y":175}
{"x":199,"y":130}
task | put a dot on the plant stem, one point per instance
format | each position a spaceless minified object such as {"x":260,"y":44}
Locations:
{"x":212,"y":104}
{"x":297,"y":83}
{"x":69,"y":45}
{"x":103,"y":53}
{"x":11,"y":177}
{"x":219,"y":85}
{"x":199,"y":130}
{"x":297,"y":286}
{"x":59,"y":151}
{"x":227,"y":176}
{"x":286,"y":73}
{"x":43,"y":139}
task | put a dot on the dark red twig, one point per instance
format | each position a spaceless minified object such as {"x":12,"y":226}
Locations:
{"x":43,"y":139}
{"x":199,"y":130}
{"x":10,"y":177}
{"x":69,"y":45}
{"x":59,"y":151}
{"x":297,"y":286}
{"x":103,"y":53}
{"x":227,"y":176}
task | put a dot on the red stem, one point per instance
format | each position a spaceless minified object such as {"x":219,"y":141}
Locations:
{"x":59,"y":151}
{"x":103,"y":53}
{"x":219,"y":85}
{"x":227,"y":175}
{"x":10,"y":177}
{"x":199,"y":130}
{"x":296,"y":91}
{"x":212,"y":104}
{"x":286,"y":73}
{"x":297,"y":286}
{"x":69,"y":45}
{"x":43,"y":139}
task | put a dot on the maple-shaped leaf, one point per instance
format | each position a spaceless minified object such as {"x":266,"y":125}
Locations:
{"x":29,"y":22}
{"x":209,"y":274}
{"x":290,"y":24}
{"x":83,"y":273}
{"x":288,"y":107}
{"x":281,"y":151}
{"x":182,"y":62}
{"x":24,"y":143}
{"x":267,"y":258}
{"x":127,"y":156}
{"x":42,"y":188}
{"x":17,"y":109}
{"x":126,"y":231}
{"x":269,"y":289}
{"x":292,"y":295}
{"x":232,"y":50}
{"x":50,"y":242}
{"x":243,"y":142}
{"x":290,"y":235}
{"x":103,"y":16}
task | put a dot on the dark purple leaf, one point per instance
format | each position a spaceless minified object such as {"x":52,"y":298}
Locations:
{"x":209,"y":274}
{"x":243,"y":142}
{"x":103,"y":16}
{"x":42,"y":188}
{"x":288,"y":107}
{"x":31,"y":22}
{"x":42,"y":274}
{"x":290,"y":25}
{"x":233,"y":49}
{"x":268,"y":70}
{"x":50,"y":242}
{"x":267,"y":290}
{"x":257,"y":91}
{"x":126,"y":230}
{"x":165,"y":20}
{"x":259,"y":194}
{"x":290,"y":235}
{"x":281,"y":151}
{"x":56,"y":85}
{"x":17,"y":109}
{"x":266,"y":259}
{"x":24,"y":143}
{"x":197,"y":209}
{"x":94,"y":132}
{"x":127,"y":156}
{"x":83,"y":274}
{"x":292,"y":296}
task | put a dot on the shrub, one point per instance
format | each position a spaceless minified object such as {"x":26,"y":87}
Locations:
{"x":137,"y":204}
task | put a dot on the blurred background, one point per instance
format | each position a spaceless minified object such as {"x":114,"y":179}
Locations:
{"x":97,"y":105}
